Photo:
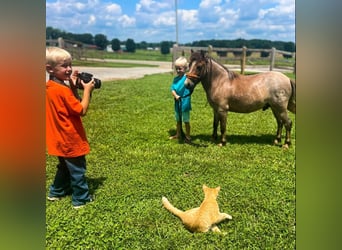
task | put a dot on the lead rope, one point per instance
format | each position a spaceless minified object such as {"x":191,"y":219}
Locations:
{"x":180,"y":112}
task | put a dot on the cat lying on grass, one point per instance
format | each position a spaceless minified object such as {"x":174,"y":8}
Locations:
{"x":203,"y":218}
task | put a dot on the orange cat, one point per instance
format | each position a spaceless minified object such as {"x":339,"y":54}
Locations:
{"x":203,"y":218}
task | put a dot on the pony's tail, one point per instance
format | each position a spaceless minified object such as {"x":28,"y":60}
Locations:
{"x":291,"y":106}
{"x":171,"y":208}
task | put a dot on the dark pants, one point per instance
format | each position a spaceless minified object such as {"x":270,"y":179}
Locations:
{"x":70,"y":179}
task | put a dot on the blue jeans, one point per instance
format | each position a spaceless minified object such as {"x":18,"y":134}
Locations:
{"x":70,"y":179}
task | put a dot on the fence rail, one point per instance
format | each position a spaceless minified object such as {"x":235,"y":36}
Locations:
{"x":240,"y":54}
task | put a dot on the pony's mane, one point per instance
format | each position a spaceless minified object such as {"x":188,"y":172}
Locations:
{"x":197,"y":56}
{"x":231,"y":74}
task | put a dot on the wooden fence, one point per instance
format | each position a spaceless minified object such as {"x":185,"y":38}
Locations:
{"x":236,"y":56}
{"x":242,"y":55}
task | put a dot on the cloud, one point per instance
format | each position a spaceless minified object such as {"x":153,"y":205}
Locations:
{"x":188,"y":18}
{"x":92,"y":20}
{"x":167,"y":19}
{"x":151,"y":6}
{"x":126,"y":21}
{"x":113,"y":9}
{"x":205,"y":4}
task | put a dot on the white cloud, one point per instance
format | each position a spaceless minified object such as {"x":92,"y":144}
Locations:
{"x":127,"y":21}
{"x":167,"y":19}
{"x":92,"y":20}
{"x":152,"y":6}
{"x":113,"y":9}
{"x":188,"y":18}
{"x":209,"y":3}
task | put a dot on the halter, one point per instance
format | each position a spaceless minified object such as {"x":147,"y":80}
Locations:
{"x":197,"y":78}
{"x":192,"y":76}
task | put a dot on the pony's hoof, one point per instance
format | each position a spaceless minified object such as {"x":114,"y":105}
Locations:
{"x":276,"y":142}
{"x":285,"y":146}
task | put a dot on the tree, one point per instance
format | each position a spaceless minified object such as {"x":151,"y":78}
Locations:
{"x":143,"y":45}
{"x":101,"y":41}
{"x":85,"y":38}
{"x":265,"y":44}
{"x":116,"y":44}
{"x":290,"y":47}
{"x":52,"y":33}
{"x":165,"y":47}
{"x":130,"y":45}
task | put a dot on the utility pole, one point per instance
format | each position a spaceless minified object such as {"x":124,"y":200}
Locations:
{"x":176,"y":21}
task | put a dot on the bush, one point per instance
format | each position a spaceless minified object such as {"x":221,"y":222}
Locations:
{"x":165,"y":48}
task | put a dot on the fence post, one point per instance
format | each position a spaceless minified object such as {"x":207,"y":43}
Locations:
{"x":273,"y":53}
{"x":294,"y":68}
{"x":243,"y":59}
{"x":210,"y":50}
{"x":60,"y":42}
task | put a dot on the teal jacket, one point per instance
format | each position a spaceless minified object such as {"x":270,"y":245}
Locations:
{"x":181,"y":90}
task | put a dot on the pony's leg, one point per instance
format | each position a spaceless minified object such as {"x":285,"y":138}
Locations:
{"x":277,"y":140}
{"x":286,"y":121}
{"x":223,"y":126}
{"x":283,"y":120}
{"x":215,"y":125}
{"x":288,"y":127}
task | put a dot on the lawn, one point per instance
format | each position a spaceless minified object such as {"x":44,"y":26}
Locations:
{"x":133,"y":164}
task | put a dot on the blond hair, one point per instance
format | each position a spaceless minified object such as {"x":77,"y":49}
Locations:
{"x":55,"y":55}
{"x":181,"y":62}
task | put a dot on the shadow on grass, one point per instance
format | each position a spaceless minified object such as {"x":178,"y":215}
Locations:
{"x":95,"y":183}
{"x":182,"y":140}
{"x":206,"y":139}
{"x":238,"y":139}
{"x":250,"y":139}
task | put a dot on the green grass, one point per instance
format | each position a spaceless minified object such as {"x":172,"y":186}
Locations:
{"x":137,"y":55}
{"x":133,"y":164}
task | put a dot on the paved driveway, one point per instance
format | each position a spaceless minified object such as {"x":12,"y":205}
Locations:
{"x":107,"y":74}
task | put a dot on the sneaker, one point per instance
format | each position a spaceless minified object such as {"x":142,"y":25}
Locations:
{"x":92,"y":198}
{"x":53,"y":198}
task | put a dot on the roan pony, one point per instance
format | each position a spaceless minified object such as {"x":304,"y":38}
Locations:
{"x":230,"y":91}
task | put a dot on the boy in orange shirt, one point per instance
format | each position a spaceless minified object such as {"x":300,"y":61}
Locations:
{"x":65,"y":134}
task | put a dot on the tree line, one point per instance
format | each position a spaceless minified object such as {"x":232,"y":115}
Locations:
{"x":101,"y":42}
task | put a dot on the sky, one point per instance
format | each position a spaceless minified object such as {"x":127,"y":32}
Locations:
{"x":155,"y":21}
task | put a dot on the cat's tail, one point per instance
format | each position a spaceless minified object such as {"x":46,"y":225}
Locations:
{"x":171,"y":208}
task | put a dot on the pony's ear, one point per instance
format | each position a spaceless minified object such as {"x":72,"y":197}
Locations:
{"x":192,"y":51}
{"x":202,"y":53}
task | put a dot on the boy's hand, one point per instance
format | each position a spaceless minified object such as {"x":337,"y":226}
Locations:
{"x":73,"y":78}
{"x":88,"y":86}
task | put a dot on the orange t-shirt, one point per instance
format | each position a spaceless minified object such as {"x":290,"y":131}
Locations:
{"x":65,"y":134}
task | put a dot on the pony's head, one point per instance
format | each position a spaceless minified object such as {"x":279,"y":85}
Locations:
{"x":197,"y":63}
